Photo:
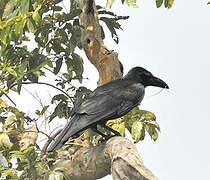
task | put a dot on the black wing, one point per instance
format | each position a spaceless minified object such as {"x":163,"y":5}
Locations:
{"x":109,"y":101}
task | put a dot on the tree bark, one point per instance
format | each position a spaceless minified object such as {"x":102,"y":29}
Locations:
{"x":117,"y":156}
{"x":105,"y":61}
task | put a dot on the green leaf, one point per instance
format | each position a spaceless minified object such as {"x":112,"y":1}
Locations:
{"x":74,"y":13}
{"x":120,"y":127}
{"x":57,"y":68}
{"x":208,"y":2}
{"x":155,"y":135}
{"x":159,"y":3}
{"x":112,"y":25}
{"x":102,"y":32}
{"x":56,"y":46}
{"x":19,"y":26}
{"x":137,"y":131}
{"x":5,"y":141}
{"x":131,"y":3}
{"x":3,"y":161}
{"x":29,"y":152}
{"x":109,"y":3}
{"x":81,"y":93}
{"x":4,"y":36}
{"x":31,"y":26}
{"x":152,"y":132}
{"x":10,"y":173}
{"x":36,"y":17}
{"x":19,"y":85}
{"x":44,"y":109}
{"x":61,"y":110}
{"x":59,"y":97}
{"x":11,"y":70}
{"x":154,"y":124}
{"x":24,"y":6}
{"x":78,"y":66}
{"x":168,"y":3}
{"x":10,"y":119}
{"x":57,"y":8}
{"x":9,"y":8}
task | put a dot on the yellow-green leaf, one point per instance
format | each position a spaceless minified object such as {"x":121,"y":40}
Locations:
{"x":120,"y":128}
{"x":9,"y":9}
{"x":152,"y":132}
{"x":30,"y":26}
{"x":168,"y":3}
{"x":44,"y":109}
{"x":136,"y":130}
{"x":4,"y":35}
{"x":159,"y":3}
{"x":109,"y":3}
{"x":155,"y":135}
{"x":36,"y":17}
{"x":5,"y":141}
{"x":9,"y":120}
{"x":155,"y":124}
{"x":12,"y":173}
{"x":131,"y":3}
{"x":19,"y":26}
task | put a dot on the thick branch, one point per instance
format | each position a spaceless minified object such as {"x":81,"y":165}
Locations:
{"x":118,"y":155}
{"x":105,"y":61}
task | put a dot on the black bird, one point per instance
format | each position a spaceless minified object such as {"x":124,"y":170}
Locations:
{"x":109,"y":101}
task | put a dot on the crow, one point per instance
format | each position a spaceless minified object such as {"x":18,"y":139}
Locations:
{"x":108,"y":101}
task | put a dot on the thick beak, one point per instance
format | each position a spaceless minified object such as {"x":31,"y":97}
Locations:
{"x":154,"y":81}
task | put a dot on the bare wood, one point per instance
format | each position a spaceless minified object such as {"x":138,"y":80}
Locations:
{"x":104,"y":60}
{"x":118,"y":155}
{"x":125,"y":160}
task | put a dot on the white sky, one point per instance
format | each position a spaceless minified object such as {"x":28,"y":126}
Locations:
{"x":174,"y":45}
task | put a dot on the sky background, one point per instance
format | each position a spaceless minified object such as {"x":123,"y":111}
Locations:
{"x":174,"y":45}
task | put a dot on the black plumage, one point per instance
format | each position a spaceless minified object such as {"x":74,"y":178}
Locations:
{"x":109,"y":101}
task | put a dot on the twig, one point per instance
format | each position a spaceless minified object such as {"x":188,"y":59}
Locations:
{"x":3,"y":93}
{"x":10,"y":99}
{"x":44,"y":83}
{"x":44,"y":149}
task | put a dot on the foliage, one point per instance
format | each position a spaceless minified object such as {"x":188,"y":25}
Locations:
{"x":55,"y":33}
{"x":167,"y":3}
{"x":133,"y":3}
{"x":137,"y":122}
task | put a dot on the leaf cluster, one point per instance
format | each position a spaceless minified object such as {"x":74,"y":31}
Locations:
{"x":137,"y":122}
{"x":167,"y":3}
{"x":111,"y":20}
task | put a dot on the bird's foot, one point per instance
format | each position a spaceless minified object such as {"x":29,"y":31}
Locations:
{"x":107,"y":137}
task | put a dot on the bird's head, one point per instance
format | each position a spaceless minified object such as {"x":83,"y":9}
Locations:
{"x":145,"y":77}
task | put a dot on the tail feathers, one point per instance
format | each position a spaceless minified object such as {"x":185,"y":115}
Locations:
{"x":63,"y":136}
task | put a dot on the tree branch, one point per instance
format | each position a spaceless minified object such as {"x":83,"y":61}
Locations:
{"x":118,"y":155}
{"x":47,"y":84}
{"x":106,"y":62}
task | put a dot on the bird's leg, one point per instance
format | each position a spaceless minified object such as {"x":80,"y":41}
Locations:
{"x":110,"y":129}
{"x":95,"y":129}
